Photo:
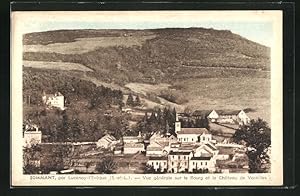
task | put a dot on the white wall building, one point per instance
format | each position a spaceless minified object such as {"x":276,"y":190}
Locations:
{"x":132,"y":148}
{"x":159,"y":163}
{"x":229,"y":116}
{"x":54,"y":100}
{"x":32,"y":135}
{"x":204,"y":164}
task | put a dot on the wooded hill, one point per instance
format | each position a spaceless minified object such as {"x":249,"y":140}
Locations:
{"x":152,"y":56}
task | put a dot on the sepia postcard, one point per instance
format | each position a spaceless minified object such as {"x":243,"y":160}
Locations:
{"x":146,"y":98}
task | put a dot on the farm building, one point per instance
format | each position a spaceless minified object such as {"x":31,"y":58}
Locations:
{"x":229,"y":116}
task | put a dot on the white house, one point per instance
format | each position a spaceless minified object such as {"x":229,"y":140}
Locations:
{"x":32,"y":135}
{"x":243,"y":117}
{"x":106,"y":141}
{"x":158,"y":163}
{"x":206,"y":150}
{"x":229,"y":116}
{"x":132,"y":148}
{"x":54,"y":100}
{"x":178,"y":161}
{"x":133,"y":139}
{"x":193,"y":135}
{"x":202,"y":164}
{"x":154,"y":149}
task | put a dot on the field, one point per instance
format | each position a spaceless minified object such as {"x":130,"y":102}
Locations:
{"x":83,"y":45}
{"x":56,"y":65}
{"x":217,"y":93}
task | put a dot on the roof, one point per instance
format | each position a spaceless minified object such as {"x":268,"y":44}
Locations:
{"x":130,"y":137}
{"x":201,"y":158}
{"x":199,"y":131}
{"x":108,"y":138}
{"x":133,"y":145}
{"x":154,"y":148}
{"x":189,"y":147}
{"x":179,"y":153}
{"x":211,"y":146}
{"x":164,"y":158}
{"x":228,"y":112}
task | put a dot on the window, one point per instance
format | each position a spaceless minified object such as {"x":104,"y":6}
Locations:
{"x":201,"y":163}
{"x":192,"y":139}
{"x":184,"y":157}
{"x":156,"y":163}
{"x":205,"y":163}
{"x":172,"y":163}
{"x":193,"y":163}
{"x":152,"y":164}
{"x":165,"y":163}
{"x":173,"y":157}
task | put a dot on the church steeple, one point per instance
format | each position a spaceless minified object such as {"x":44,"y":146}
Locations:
{"x":177,"y":124}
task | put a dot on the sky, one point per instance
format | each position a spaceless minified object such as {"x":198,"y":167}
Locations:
{"x":258,"y":31}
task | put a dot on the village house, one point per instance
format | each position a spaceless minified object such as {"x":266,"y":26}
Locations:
{"x":202,"y":164}
{"x":206,"y":150}
{"x":133,"y":148}
{"x":133,"y":139}
{"x":31,"y":135}
{"x":107,"y":141}
{"x":194,"y":151}
{"x":229,"y":117}
{"x":178,"y":161}
{"x":160,"y":144}
{"x":54,"y":100}
{"x":154,"y":149}
{"x":159,"y":163}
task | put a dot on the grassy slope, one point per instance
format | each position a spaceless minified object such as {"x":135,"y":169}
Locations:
{"x":213,"y":69}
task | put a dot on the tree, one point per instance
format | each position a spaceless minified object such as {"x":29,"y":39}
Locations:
{"x":137,"y":101}
{"x":87,"y":166}
{"x":31,"y":155}
{"x":130,"y":101}
{"x":257,"y":138}
{"x":148,"y":169}
{"x":106,"y":166}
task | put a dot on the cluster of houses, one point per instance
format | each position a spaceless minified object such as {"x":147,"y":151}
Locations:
{"x":190,"y":150}
{"x":219,"y":116}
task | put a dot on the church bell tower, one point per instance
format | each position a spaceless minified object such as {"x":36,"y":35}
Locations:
{"x":177,"y":124}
